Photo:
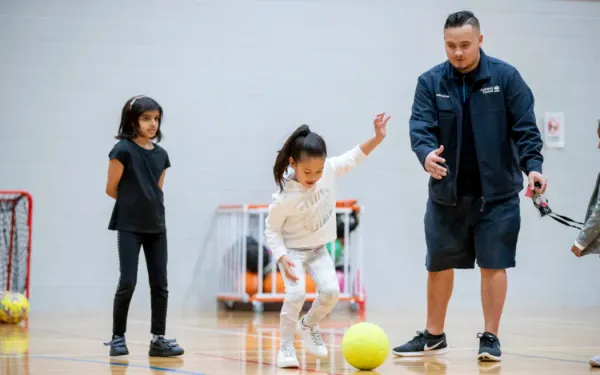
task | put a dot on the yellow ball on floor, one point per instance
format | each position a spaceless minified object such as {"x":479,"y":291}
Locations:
{"x":365,"y":346}
{"x":14,"y":307}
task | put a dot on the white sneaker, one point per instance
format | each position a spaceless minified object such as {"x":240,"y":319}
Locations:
{"x":595,"y":361}
{"x":286,"y":358}
{"x":312,"y":339}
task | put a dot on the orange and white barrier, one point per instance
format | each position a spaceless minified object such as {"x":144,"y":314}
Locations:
{"x":248,"y":274}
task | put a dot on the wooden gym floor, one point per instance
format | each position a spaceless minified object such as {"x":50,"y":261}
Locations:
{"x":237,"y":343}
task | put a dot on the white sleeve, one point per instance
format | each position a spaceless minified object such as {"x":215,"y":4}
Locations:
{"x":345,"y":162}
{"x":273,"y":223}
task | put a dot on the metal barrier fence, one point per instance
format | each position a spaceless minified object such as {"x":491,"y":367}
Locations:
{"x":248,"y":274}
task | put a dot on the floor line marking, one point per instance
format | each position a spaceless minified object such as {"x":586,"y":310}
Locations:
{"x":112,"y":363}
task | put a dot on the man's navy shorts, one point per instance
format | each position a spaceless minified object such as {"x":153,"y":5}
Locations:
{"x":457,"y":236}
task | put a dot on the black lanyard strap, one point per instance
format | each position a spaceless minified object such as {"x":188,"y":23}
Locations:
{"x":566,"y":220}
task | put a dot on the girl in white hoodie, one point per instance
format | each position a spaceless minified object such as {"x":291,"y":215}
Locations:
{"x":300,"y":222}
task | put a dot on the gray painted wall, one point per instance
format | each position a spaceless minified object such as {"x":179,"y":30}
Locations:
{"x":235,"y":77}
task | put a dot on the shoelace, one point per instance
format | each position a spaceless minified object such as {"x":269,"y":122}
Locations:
{"x":316,"y":337}
{"x":488,"y":340}
{"x":289,"y":352}
{"x":420,"y":336}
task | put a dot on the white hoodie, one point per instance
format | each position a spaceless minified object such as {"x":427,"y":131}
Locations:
{"x":301,"y":217}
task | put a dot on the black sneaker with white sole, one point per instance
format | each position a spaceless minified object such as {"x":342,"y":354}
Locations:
{"x":423,"y":344}
{"x":489,"y":347}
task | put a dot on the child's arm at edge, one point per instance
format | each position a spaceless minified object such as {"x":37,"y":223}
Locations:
{"x":590,"y":230}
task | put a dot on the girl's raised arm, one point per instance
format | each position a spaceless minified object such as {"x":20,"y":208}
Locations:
{"x":345,"y":162}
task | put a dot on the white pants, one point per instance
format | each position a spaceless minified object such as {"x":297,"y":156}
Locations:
{"x":320,"y":266}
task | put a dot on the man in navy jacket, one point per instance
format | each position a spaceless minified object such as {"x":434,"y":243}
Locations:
{"x":473,"y":130}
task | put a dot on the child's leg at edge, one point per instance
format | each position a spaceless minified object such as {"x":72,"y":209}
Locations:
{"x":322,"y":270}
{"x":295,"y":294}
{"x":128,"y":244}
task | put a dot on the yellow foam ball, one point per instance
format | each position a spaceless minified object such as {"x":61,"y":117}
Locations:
{"x":14,"y":308}
{"x":365,"y":346}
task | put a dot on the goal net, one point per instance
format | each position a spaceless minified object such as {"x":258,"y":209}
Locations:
{"x":15,"y":241}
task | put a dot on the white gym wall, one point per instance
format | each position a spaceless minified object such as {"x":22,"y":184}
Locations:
{"x":234,"y":78}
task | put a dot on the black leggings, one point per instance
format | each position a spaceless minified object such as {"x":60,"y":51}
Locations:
{"x":155,"y":250}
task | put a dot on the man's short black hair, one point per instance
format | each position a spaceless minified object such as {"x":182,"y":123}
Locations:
{"x":460,"y":19}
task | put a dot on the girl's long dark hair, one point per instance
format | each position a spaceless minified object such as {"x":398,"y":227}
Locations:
{"x":302,"y":142}
{"x":132,"y":110}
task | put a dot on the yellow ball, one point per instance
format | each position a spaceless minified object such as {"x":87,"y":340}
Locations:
{"x":14,"y":307}
{"x":365,"y":346}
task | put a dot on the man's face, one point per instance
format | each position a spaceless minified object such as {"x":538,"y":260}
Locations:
{"x":462,"y":47}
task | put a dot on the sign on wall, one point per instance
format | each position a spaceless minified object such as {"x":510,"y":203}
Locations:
{"x":554,"y":129}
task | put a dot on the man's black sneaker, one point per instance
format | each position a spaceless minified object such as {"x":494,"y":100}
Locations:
{"x":162,"y":347}
{"x":118,"y":346}
{"x":423,"y":344}
{"x":489,"y":347}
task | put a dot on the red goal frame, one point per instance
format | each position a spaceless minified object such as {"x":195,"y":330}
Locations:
{"x":29,"y":198}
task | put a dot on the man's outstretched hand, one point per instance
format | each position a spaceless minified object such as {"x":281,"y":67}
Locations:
{"x":431,"y":164}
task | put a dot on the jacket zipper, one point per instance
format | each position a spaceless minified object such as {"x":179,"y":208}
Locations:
{"x":480,"y":181}
{"x":459,"y":135}
{"x":464,"y":95}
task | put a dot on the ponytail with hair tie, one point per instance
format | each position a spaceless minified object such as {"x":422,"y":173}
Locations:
{"x":301,"y":142}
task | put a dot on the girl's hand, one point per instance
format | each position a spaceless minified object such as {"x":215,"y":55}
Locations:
{"x":287,"y":264}
{"x":380,"y":125}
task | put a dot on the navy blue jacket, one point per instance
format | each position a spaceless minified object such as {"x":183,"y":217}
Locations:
{"x":507,"y":138}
